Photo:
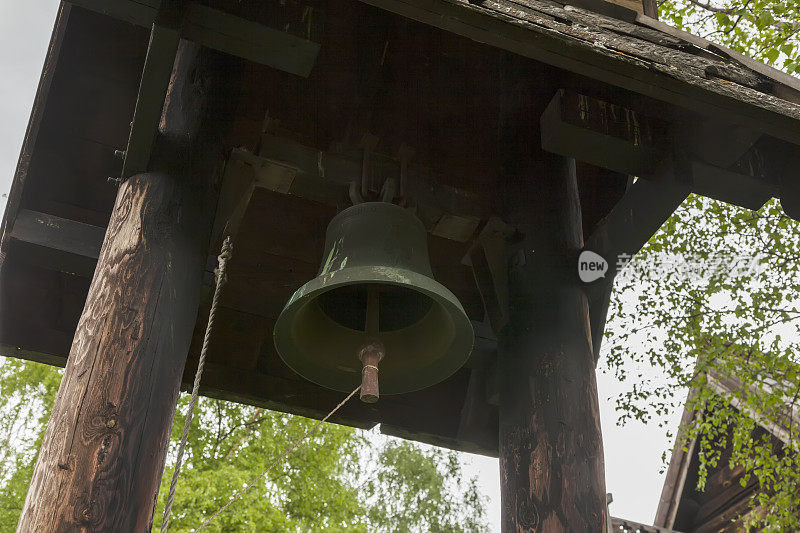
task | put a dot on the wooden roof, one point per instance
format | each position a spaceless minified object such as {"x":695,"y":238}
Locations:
{"x":638,"y":53}
{"x":725,"y":498}
{"x":429,"y":86}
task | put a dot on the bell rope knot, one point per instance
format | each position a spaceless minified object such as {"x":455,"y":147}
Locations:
{"x":370,"y":355}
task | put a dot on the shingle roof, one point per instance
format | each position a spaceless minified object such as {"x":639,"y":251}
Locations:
{"x":640,"y":53}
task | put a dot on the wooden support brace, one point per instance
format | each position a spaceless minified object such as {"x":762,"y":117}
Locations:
{"x":645,"y":206}
{"x":152,"y":89}
{"x":221,"y":31}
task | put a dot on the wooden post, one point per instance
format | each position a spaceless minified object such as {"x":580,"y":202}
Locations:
{"x":104,"y":448}
{"x":551,"y":452}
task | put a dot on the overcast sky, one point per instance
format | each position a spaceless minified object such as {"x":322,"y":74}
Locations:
{"x":633,"y":453}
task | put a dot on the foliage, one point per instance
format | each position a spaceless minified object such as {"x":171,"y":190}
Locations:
{"x":341,"y":480}
{"x":715,"y":295}
{"x":700,"y":326}
{"x":764,"y":29}
{"x":27,"y":392}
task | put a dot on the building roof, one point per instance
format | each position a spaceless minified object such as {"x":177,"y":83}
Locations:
{"x":640,"y":54}
{"x":725,"y":496}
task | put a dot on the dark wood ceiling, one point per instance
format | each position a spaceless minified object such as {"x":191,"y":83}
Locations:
{"x":469,"y":112}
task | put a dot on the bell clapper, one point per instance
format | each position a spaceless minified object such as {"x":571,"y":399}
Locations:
{"x":373,"y":350}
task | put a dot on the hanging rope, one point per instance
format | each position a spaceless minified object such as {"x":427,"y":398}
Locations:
{"x":222,"y":259}
{"x":278,"y":460}
{"x":221,"y":279}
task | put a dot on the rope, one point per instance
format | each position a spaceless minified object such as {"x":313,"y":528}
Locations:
{"x":222,"y":259}
{"x":278,"y":460}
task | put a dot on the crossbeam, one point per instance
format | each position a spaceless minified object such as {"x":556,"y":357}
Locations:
{"x":622,"y":139}
{"x":56,"y":242}
{"x":221,"y":31}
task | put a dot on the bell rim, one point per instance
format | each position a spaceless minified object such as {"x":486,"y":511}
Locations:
{"x":464,"y":337}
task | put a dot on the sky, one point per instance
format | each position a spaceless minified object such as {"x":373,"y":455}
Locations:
{"x":632,"y":453}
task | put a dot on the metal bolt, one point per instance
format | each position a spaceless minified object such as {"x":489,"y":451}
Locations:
{"x":120,"y":154}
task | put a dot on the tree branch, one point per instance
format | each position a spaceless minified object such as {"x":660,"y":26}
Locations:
{"x":713,"y":9}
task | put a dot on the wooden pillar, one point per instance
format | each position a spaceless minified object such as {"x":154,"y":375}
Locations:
{"x":103,"y":452}
{"x":551,"y":454}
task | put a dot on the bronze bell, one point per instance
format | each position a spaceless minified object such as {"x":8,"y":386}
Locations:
{"x":374,"y":299}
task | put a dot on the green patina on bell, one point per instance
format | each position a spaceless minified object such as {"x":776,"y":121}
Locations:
{"x":374,"y":247}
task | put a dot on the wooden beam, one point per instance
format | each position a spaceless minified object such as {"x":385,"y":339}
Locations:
{"x":288,"y":167}
{"x":604,"y":134}
{"x":56,"y":242}
{"x":156,"y":74}
{"x":621,"y":525}
{"x":643,"y":209}
{"x":621,"y":139}
{"x":551,"y":452}
{"x":618,"y":138}
{"x":9,"y":350}
{"x":32,"y":132}
{"x":677,"y":472}
{"x":715,"y":141}
{"x":221,"y":31}
{"x":139,"y":12}
{"x":100,"y":463}
{"x":249,"y":40}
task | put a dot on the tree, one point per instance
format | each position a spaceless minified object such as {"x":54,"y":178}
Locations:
{"x":716,"y":292}
{"x":735,"y":315}
{"x":764,"y":29}
{"x":341,"y":480}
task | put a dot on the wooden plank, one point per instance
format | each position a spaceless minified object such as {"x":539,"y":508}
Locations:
{"x":628,"y":526}
{"x":56,"y":242}
{"x":328,"y":169}
{"x":731,"y":187}
{"x":677,"y":473}
{"x":39,"y":307}
{"x":8,"y":350}
{"x":221,"y":31}
{"x":58,"y":233}
{"x":249,"y":40}
{"x":156,"y":74}
{"x":716,"y":142}
{"x":717,"y":515}
{"x":604,"y":134}
{"x":645,"y":206}
{"x":32,"y":132}
{"x":766,"y":70}
{"x":504,"y":25}
{"x":620,"y":139}
{"x":141,"y":13}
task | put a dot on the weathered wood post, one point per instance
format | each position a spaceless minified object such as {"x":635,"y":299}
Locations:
{"x":551,"y":452}
{"x":104,"y":448}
